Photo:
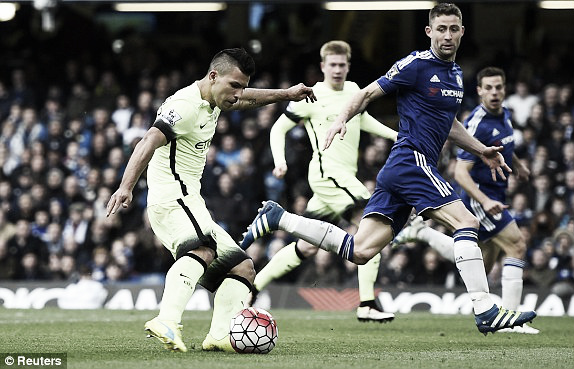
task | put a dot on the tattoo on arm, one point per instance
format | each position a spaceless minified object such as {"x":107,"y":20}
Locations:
{"x":252,"y":102}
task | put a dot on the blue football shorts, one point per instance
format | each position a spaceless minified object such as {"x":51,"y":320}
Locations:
{"x":490,"y":225}
{"x":408,"y":181}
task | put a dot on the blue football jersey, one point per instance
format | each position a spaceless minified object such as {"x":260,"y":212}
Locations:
{"x":429,"y":93}
{"x":491,"y":130}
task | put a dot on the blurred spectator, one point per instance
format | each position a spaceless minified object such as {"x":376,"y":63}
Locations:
{"x":30,"y":128}
{"x":135,"y":132}
{"x":162,"y":91}
{"x":99,"y":150}
{"x":68,"y":268}
{"x":52,"y":110}
{"x":91,"y":185}
{"x":122,"y":114}
{"x":55,"y":136}
{"x":23,"y":242}
{"x":145,"y":108}
{"x":569,"y":186}
{"x":526,"y":148}
{"x":566,"y":121}
{"x":567,"y":162}
{"x":434,"y":271}
{"x":370,"y":164}
{"x":8,"y":262}
{"x":228,"y":207}
{"x":536,"y":120}
{"x":76,"y":226}
{"x":539,"y":273}
{"x":76,"y":131}
{"x":520,"y":209}
{"x":559,"y":209}
{"x":106,"y":90}
{"x":563,"y":242}
{"x":521,"y":103}
{"x":39,"y":226}
{"x":229,"y":152}
{"x":550,"y":106}
{"x":324,"y":269}
{"x":114,"y":273}
{"x":54,"y":183}
{"x":25,"y":208}
{"x":211,"y":173}
{"x":53,"y":239}
{"x":20,"y":91}
{"x":78,"y":102}
{"x":7,"y":228}
{"x":30,"y":268}
{"x":542,"y":193}
{"x":397,"y":272}
{"x":98,"y":264}
{"x":72,"y":193}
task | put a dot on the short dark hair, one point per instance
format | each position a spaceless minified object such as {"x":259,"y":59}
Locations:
{"x":490,"y":72}
{"x":444,"y":9}
{"x":226,"y":59}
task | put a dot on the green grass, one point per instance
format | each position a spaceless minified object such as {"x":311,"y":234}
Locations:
{"x":307,"y":339}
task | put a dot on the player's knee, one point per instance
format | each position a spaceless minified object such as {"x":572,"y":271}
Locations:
{"x":245,"y":269}
{"x":205,"y":251}
{"x":519,"y":248}
{"x":306,"y":249}
{"x":469,"y":221}
{"x":361,"y":257}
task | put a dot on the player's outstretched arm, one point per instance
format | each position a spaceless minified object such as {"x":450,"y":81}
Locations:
{"x":257,"y":97}
{"x":139,"y":160}
{"x":277,"y":143}
{"x":356,"y":105}
{"x":491,"y":156}
{"x":521,"y":170}
{"x":371,"y":125}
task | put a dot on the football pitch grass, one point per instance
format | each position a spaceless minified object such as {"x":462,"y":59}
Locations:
{"x":307,"y":339}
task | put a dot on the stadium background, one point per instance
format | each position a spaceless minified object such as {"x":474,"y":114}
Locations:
{"x":80,"y":83}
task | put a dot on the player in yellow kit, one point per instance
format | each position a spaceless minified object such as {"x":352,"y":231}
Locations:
{"x":337,"y":194}
{"x":176,"y":149}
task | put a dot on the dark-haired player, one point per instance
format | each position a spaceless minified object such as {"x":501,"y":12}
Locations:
{"x":175,"y":148}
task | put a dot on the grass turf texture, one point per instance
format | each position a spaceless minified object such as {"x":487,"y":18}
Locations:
{"x":307,"y":339}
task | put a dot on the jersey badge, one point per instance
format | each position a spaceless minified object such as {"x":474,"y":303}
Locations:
{"x":459,"y":81}
{"x":392,"y":72}
{"x":170,"y":117}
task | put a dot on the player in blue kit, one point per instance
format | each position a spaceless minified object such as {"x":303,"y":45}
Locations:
{"x":429,"y":92}
{"x":489,"y":123}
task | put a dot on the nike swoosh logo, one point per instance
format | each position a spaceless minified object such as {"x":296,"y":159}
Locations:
{"x":169,"y":332}
{"x":201,"y":126}
{"x":184,"y":276}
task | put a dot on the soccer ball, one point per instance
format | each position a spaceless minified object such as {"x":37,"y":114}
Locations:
{"x":253,"y":331}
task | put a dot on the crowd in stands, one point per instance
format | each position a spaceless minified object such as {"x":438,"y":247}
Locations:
{"x":63,"y":149}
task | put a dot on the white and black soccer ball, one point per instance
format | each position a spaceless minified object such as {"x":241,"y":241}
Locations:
{"x":253,"y":331}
